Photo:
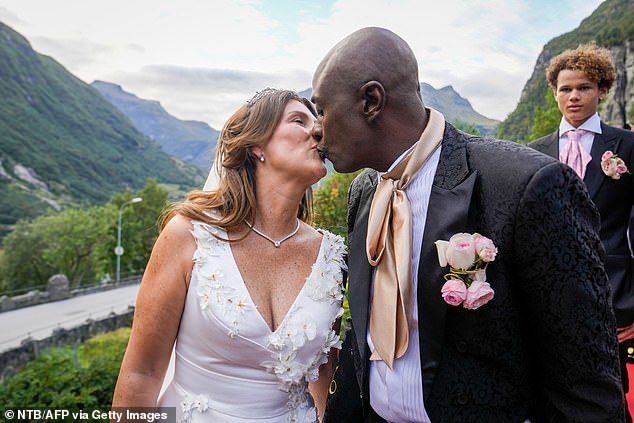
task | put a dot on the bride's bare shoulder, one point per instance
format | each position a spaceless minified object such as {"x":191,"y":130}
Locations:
{"x":178,"y":230}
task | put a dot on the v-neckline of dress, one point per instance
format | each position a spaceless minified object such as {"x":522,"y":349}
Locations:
{"x":244,"y":287}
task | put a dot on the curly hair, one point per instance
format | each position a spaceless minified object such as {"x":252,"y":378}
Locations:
{"x":234,"y":200}
{"x":595,"y":62}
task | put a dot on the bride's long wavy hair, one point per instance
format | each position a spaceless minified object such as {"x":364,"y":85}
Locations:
{"x":234,"y":200}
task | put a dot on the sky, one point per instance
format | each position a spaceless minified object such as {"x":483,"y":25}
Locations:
{"x":202,"y":59}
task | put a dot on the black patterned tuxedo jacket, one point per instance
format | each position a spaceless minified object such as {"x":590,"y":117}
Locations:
{"x":614,"y":199}
{"x":544,"y":348}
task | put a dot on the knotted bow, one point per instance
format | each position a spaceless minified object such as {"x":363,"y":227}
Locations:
{"x":573,"y":154}
{"x":389,"y":245}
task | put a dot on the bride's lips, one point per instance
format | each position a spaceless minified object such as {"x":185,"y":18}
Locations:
{"x":322,"y":153}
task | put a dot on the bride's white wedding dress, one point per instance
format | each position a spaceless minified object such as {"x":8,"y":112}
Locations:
{"x":229,"y":366}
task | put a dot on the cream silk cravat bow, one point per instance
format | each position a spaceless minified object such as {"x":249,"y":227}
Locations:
{"x":574,"y":155}
{"x":389,"y":246}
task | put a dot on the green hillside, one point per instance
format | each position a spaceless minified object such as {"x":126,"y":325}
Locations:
{"x":192,"y":141}
{"x":61,"y":143}
{"x":611,"y":24}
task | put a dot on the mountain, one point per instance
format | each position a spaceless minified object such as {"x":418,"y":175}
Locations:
{"x":62,"y":143}
{"x":452,"y":105}
{"x":611,"y":25}
{"x":191,"y":141}
{"x":455,"y":108}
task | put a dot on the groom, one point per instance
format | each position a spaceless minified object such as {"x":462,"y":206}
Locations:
{"x":540,"y":344}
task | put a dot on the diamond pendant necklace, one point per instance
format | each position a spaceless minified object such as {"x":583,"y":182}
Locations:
{"x":277,"y":243}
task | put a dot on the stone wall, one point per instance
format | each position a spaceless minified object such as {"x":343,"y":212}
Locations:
{"x":14,"y":359}
{"x":57,"y":288}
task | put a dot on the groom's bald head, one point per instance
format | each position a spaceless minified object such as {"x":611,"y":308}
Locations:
{"x":370,"y":54}
{"x":367,"y":94}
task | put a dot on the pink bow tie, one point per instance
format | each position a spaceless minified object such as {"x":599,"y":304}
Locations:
{"x":573,"y":154}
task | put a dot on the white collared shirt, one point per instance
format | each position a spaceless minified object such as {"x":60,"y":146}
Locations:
{"x":593,"y":125}
{"x":397,"y":394}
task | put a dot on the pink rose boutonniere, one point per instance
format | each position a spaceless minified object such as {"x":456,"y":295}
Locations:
{"x":468,"y":256}
{"x":613,"y":165}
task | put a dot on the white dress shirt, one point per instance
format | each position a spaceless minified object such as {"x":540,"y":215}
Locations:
{"x":593,"y":125}
{"x":397,"y":394}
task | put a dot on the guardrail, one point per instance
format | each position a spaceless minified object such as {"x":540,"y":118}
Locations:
{"x":57,"y":289}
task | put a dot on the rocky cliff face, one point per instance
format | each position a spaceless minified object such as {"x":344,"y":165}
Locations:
{"x":618,"y":107}
{"x":538,"y":74}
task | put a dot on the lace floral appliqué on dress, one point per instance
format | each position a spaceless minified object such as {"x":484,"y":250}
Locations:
{"x":212,"y":291}
{"x":191,"y":405}
{"x":323,"y":285}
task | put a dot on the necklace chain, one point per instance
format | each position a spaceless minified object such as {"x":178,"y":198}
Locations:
{"x":277,"y":243}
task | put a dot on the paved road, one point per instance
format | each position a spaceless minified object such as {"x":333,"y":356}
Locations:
{"x":39,"y":321}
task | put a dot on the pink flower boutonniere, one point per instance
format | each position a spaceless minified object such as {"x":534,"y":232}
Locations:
{"x":468,"y":256}
{"x":613,"y":165}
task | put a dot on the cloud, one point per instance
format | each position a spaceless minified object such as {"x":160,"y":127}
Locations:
{"x":491,"y":91}
{"x":7,"y":16}
{"x":455,"y":42}
{"x":202,"y":59}
{"x":211,"y":95}
{"x":485,"y":49}
{"x":78,"y":53}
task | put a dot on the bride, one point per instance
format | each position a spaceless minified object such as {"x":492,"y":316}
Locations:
{"x":247,"y":290}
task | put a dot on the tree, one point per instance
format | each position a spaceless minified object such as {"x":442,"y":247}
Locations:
{"x":63,"y":242}
{"x":469,"y":128}
{"x":72,"y":238}
{"x":20,"y":264}
{"x":546,"y":119}
{"x":80,"y":242}
{"x":139,"y":228}
{"x":331,"y":203}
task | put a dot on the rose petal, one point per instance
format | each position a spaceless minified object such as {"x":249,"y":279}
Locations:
{"x":441,"y":247}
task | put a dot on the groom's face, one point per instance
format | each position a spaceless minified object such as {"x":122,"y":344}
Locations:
{"x":338,"y":125}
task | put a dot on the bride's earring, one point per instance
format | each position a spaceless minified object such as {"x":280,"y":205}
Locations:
{"x":262,"y":157}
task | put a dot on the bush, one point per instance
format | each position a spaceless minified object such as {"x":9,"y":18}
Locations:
{"x":331,"y":203}
{"x":72,"y":378}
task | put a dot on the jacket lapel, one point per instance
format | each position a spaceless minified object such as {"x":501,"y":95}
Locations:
{"x":608,"y":140}
{"x":447,"y":214}
{"x":360,"y":271}
{"x":551,"y":145}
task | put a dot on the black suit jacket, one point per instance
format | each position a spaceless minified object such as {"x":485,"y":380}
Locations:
{"x":544,"y":348}
{"x":614,"y":199}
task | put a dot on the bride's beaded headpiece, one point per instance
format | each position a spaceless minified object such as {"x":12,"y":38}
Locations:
{"x":260,"y":94}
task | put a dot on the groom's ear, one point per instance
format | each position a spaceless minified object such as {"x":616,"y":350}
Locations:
{"x":373,"y":99}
